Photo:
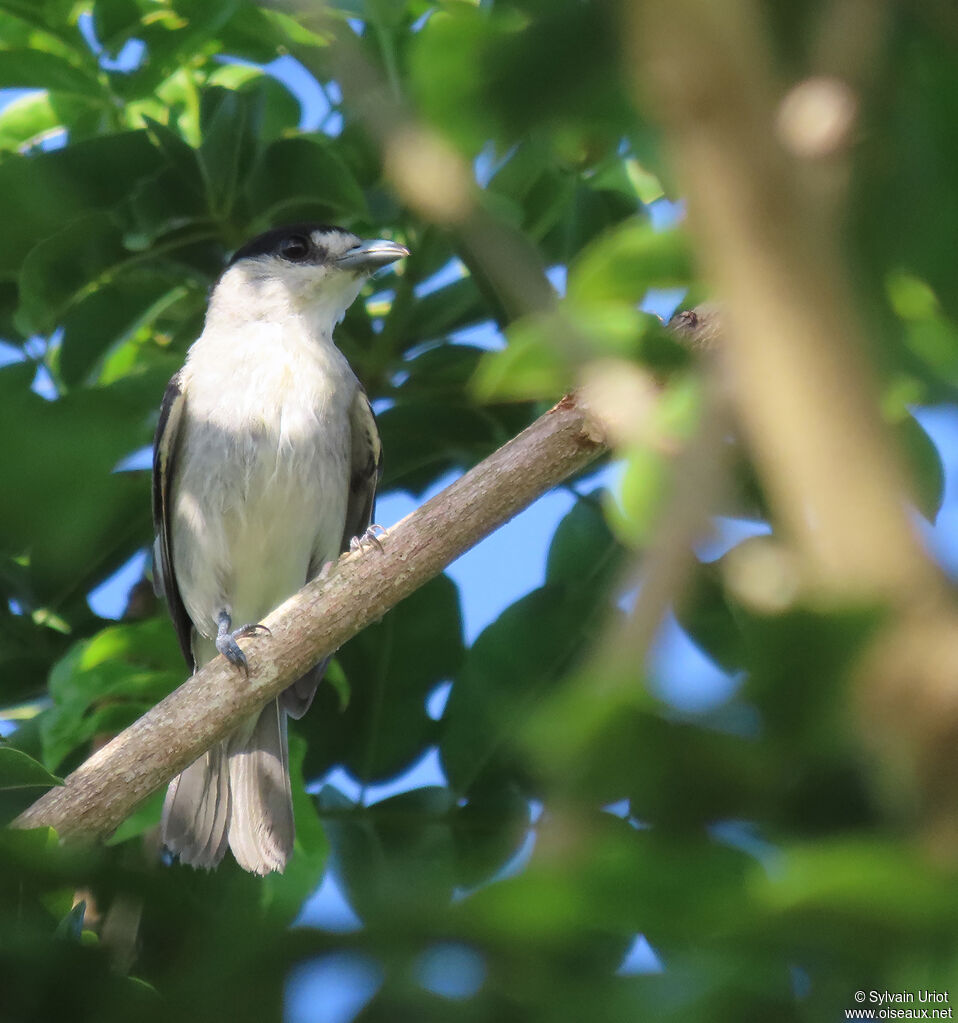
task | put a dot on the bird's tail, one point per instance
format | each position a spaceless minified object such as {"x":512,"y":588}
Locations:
{"x":237,"y":794}
{"x":261,"y":815}
{"x":196,"y":811}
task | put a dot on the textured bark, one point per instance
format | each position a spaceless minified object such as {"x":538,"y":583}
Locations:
{"x":359,"y":590}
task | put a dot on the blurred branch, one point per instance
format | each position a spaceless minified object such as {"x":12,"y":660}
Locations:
{"x":359,"y":590}
{"x":427,"y":173}
{"x":699,"y":476}
{"x":609,"y":680}
{"x":805,"y":394}
{"x":805,"y":391}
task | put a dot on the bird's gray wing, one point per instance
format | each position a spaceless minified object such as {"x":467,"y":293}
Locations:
{"x":366,"y":468}
{"x":366,"y":465}
{"x":164,"y":466}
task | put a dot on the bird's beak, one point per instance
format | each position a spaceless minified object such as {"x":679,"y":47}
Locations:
{"x":370,"y":256}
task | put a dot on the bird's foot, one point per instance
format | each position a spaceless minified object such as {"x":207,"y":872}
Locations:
{"x":369,"y":539}
{"x":226,"y":639}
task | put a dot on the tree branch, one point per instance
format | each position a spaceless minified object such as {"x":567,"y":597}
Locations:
{"x":320,"y":618}
{"x":804,"y":388}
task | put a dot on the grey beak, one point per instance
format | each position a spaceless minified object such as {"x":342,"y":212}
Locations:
{"x":370,"y":256}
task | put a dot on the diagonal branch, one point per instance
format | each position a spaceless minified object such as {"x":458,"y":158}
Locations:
{"x":317,"y":620}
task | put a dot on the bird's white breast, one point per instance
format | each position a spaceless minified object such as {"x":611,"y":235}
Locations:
{"x":262,"y":473}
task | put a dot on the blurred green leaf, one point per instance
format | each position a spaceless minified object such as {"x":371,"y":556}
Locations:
{"x":228,"y":145}
{"x":110,"y":313}
{"x":40,"y":193}
{"x":114,"y":22}
{"x":103,"y":684}
{"x":18,"y":771}
{"x":274,"y":108}
{"x":36,"y":69}
{"x":488,"y":831}
{"x":395,"y":857}
{"x":144,"y":817}
{"x":922,"y":103}
{"x":64,"y":265}
{"x":70,"y":447}
{"x":624,"y":263}
{"x":303,"y":177}
{"x":445,"y":69}
{"x":924,"y":461}
{"x":531,"y":366}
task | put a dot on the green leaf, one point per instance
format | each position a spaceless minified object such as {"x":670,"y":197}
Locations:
{"x":111,"y":313}
{"x":26,"y":118}
{"x":848,"y":881}
{"x":623,"y":264}
{"x":175,"y":36}
{"x":644,"y":487}
{"x":70,"y":447}
{"x":114,"y":22}
{"x":36,"y":69}
{"x":394,"y":859}
{"x":918,"y":193}
{"x":391,"y":668}
{"x":516,"y":660}
{"x":255,"y":33}
{"x":18,"y":771}
{"x":228,"y":145}
{"x":180,"y":155}
{"x":488,"y":831}
{"x":105,"y":683}
{"x":924,"y":461}
{"x":145,"y":817}
{"x":446,"y":69}
{"x":27,"y":648}
{"x":427,"y":439}
{"x":41,"y":193}
{"x":303,"y":177}
{"x":690,"y":773}
{"x":64,"y":265}
{"x":531,"y":366}
{"x":453,"y":307}
{"x":581,"y":538}
{"x":274,"y":108}
{"x":710,"y":619}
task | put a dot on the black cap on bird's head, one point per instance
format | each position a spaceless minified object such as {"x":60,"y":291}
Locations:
{"x":322,"y":245}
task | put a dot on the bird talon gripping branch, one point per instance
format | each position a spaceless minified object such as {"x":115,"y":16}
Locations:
{"x":226,"y":640}
{"x":371,"y":537}
{"x":265,"y":467}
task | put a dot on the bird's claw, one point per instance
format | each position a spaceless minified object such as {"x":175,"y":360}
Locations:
{"x":370,"y":537}
{"x":251,"y":629}
{"x":226,"y":640}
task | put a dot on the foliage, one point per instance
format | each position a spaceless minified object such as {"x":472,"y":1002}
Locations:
{"x":747,"y":841}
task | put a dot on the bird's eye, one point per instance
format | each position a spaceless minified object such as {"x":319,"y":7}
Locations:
{"x":295,"y":248}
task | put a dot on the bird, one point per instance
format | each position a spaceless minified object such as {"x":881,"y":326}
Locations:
{"x":265,"y":466}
